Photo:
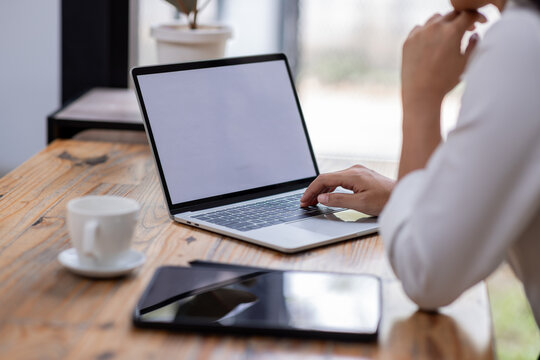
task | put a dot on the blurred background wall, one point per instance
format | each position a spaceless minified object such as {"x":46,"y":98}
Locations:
{"x":29,"y":76}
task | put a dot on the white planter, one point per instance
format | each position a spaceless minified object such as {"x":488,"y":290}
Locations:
{"x":178,"y":43}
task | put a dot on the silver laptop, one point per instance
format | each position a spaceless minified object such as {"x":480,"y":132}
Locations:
{"x":233,"y":152}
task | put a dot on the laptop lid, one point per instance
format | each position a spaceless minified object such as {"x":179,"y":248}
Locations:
{"x":224,"y":131}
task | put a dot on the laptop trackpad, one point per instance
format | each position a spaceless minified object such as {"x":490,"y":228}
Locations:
{"x":343,"y":222}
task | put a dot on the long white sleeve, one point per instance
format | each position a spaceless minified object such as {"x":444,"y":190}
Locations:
{"x":448,"y":226}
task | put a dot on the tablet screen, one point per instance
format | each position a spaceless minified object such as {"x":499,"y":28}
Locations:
{"x":295,"y":303}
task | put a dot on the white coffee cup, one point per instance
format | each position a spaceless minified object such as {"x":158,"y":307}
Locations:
{"x":101,"y":228}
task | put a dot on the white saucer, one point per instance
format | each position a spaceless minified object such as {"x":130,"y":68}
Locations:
{"x":132,"y":260}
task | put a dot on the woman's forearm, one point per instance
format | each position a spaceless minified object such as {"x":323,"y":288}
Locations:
{"x":421,"y":133}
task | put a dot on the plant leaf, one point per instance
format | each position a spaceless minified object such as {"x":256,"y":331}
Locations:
{"x":184,"y":6}
{"x":173,"y":3}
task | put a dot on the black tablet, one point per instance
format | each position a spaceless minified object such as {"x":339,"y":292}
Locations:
{"x":256,"y":301}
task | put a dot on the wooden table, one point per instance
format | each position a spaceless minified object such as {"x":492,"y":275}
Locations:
{"x":48,"y":313}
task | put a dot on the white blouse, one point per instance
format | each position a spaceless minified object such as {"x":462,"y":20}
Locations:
{"x":448,"y":226}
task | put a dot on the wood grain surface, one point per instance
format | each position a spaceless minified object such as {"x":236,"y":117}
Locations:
{"x":48,"y":313}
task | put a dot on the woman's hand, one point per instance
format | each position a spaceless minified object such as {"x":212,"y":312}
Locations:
{"x":432,"y":61}
{"x":370,"y":189}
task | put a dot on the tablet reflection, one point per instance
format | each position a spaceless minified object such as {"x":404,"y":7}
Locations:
{"x":309,"y":301}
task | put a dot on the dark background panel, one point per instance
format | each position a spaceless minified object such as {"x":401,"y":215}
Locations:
{"x":95,"y":38}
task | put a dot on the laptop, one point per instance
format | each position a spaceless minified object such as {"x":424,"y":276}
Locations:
{"x":233,"y":152}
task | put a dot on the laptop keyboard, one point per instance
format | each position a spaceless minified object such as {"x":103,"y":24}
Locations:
{"x":265,"y":213}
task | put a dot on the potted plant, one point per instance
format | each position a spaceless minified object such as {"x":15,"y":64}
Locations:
{"x":181,"y":42}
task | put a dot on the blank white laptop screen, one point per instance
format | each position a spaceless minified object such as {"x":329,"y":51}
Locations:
{"x":225,"y":129}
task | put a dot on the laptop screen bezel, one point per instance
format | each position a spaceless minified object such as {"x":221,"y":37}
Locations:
{"x":234,"y":197}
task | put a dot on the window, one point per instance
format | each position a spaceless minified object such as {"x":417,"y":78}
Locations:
{"x":349,"y":78}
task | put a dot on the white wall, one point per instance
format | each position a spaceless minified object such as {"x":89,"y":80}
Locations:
{"x":29,"y":76}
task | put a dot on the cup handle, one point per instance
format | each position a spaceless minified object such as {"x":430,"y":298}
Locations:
{"x":89,"y":238}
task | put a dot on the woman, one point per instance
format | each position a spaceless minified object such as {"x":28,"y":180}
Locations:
{"x":462,"y":206}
